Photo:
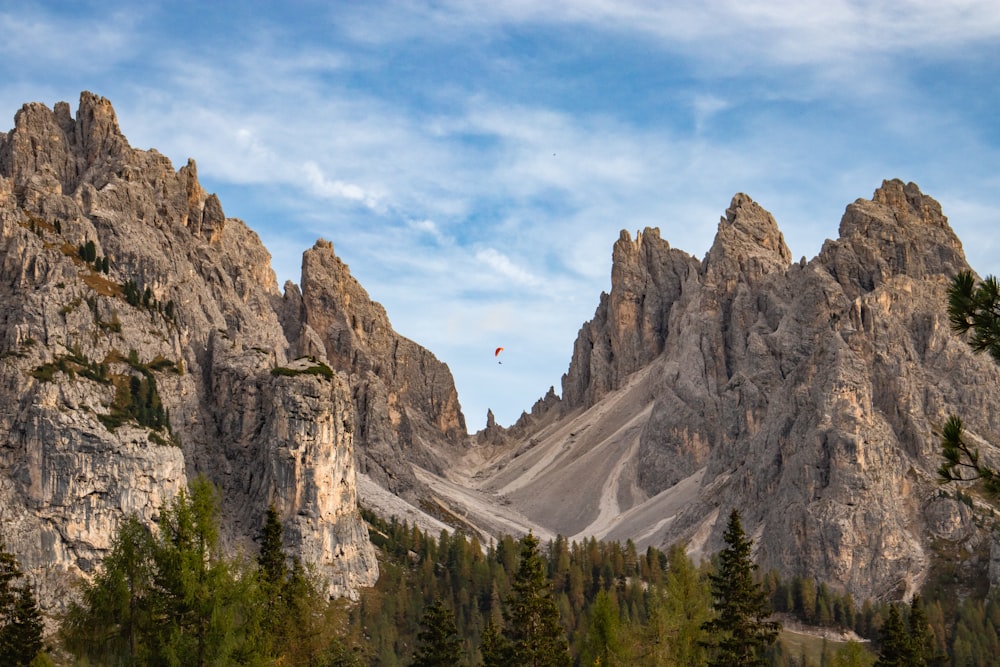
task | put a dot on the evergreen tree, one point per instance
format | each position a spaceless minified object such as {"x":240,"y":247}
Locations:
{"x":174,"y":600}
{"x":922,"y":646}
{"x":272,"y":575}
{"x":113,"y":618}
{"x":440,"y":645}
{"x":976,"y":309}
{"x":536,"y":638}
{"x":25,"y":630}
{"x":677,"y":611}
{"x":739,"y":632}
{"x":20,"y":619}
{"x":603,"y":644}
{"x":896,"y":646}
{"x":494,"y":648}
{"x":195,"y":615}
{"x":307,"y":624}
{"x":271,"y":559}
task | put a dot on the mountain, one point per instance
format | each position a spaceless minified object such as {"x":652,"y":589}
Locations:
{"x":805,"y":394}
{"x":145,"y":341}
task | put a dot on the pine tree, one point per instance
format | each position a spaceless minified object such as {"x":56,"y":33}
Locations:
{"x":677,"y":611}
{"x":440,"y":645}
{"x":536,"y":638}
{"x":20,"y":619}
{"x":896,"y":646}
{"x":739,"y":632}
{"x":922,"y":642}
{"x":604,"y":643}
{"x":307,"y":631}
{"x":174,"y":600}
{"x":494,"y":648}
{"x":198,"y":591}
{"x":976,"y":309}
{"x":271,"y":559}
{"x":272,"y":573}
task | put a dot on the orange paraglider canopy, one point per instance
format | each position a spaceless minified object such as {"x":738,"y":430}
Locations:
{"x":497,"y":353}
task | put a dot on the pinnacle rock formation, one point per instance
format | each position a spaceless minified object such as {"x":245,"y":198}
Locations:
{"x":630,"y":327}
{"x":405,"y":397}
{"x":144,"y":341}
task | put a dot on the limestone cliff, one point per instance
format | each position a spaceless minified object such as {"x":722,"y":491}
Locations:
{"x":407,"y":408}
{"x":141,"y":343}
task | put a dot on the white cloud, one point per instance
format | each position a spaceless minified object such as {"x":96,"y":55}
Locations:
{"x":322,"y":186}
{"x":430,"y":228}
{"x":91,"y":43}
{"x":705,"y":107}
{"x":781,"y":31}
{"x":502,"y":265}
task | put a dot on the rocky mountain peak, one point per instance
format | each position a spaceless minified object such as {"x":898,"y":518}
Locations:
{"x":97,"y":129}
{"x":144,"y":341}
{"x":898,"y":209}
{"x":909,"y":202}
{"x":405,"y":398}
{"x":899,"y":231}
{"x":630,"y":325}
{"x":748,"y":243}
{"x":47,"y":147}
{"x":807,"y":395}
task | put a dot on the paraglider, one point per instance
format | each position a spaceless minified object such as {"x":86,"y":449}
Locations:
{"x":497,"y":355}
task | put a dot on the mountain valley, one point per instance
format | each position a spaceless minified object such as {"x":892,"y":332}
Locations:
{"x":145,"y":342}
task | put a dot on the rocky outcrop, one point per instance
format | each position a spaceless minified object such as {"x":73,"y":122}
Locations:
{"x":806,"y":394}
{"x":143,"y":341}
{"x":406,"y":405}
{"x":631,"y":323}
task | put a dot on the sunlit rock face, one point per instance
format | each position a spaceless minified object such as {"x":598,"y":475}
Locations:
{"x":128,"y":301}
{"x":406,"y":405}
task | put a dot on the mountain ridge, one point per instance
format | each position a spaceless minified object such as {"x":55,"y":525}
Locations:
{"x":798,"y":391}
{"x":804,"y":393}
{"x":142,"y":345}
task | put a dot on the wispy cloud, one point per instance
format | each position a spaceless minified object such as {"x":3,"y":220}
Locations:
{"x":324,"y":187}
{"x":501,"y":264}
{"x":89,"y":42}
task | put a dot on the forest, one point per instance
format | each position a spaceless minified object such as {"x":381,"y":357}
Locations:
{"x":175,"y":599}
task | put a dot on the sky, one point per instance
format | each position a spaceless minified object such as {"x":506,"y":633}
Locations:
{"x":474,"y":162}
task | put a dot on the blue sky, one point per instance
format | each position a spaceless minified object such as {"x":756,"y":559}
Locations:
{"x":474,"y":162}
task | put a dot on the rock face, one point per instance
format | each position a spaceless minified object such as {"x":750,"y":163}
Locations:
{"x":143,"y":340}
{"x":805,"y":394}
{"x":406,"y":404}
{"x":630,"y":326}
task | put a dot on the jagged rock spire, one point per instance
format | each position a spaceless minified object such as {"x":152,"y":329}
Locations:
{"x":899,"y":231}
{"x":748,"y":243}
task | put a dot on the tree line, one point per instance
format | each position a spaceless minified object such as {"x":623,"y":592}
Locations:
{"x":171,"y":597}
